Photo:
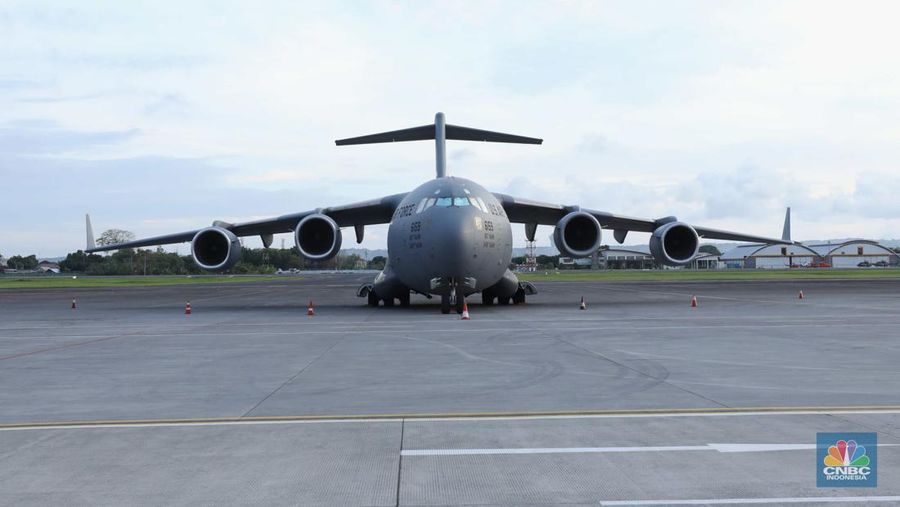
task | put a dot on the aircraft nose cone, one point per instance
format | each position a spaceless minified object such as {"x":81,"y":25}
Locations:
{"x":453,"y":245}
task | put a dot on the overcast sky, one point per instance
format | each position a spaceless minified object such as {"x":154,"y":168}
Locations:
{"x":159,"y":117}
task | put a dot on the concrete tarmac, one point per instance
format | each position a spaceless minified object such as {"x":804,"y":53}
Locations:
{"x":248,"y":400}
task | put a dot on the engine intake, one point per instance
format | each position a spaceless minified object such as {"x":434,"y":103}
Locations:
{"x":318,"y":237}
{"x":577,"y":234}
{"x":674,"y":244}
{"x":215,"y":248}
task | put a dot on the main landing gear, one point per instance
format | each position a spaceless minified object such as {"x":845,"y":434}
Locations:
{"x":518,"y":297}
{"x":373,"y":299}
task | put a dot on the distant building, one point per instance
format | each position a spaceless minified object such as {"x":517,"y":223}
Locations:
{"x":48,"y":267}
{"x":759,"y":256}
{"x":849,"y":254}
{"x":853,"y":253}
{"x":707,"y":261}
{"x":630,"y":258}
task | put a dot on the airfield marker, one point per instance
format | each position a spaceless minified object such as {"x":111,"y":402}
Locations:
{"x":582,"y":306}
{"x":187,"y":308}
{"x":465,"y":313}
{"x":693,"y":301}
{"x":310,"y":310}
{"x":73,"y":303}
{"x":800,"y":296}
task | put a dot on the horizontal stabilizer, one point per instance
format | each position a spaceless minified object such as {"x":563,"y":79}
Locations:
{"x":413,"y":134}
{"x":470,"y":134}
{"x":426,"y":132}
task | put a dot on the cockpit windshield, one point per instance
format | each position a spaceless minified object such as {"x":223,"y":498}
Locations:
{"x":450,"y":201}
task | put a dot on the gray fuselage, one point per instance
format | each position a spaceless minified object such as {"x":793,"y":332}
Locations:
{"x":448,"y":232}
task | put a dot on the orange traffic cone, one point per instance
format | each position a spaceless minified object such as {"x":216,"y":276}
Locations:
{"x":693,"y":301}
{"x":582,"y":306}
{"x":800,"y":296}
{"x":310,"y":310}
{"x":73,"y":303}
{"x":465,"y":313}
{"x":187,"y":308}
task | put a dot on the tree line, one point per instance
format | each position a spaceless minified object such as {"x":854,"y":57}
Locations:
{"x":160,"y":262}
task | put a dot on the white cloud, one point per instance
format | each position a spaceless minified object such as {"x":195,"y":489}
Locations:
{"x":715,"y":112}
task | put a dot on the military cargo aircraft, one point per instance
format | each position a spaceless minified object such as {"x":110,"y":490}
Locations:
{"x":450,"y":237}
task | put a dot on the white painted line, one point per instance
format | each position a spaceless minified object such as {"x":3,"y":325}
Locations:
{"x":549,"y":450}
{"x":731,"y":501}
{"x":727,"y":448}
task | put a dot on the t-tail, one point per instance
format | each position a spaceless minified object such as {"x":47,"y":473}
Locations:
{"x":786,"y":232}
{"x":440,"y":131}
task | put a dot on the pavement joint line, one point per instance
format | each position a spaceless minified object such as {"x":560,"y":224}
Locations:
{"x":375,"y":331}
{"x":461,"y":416}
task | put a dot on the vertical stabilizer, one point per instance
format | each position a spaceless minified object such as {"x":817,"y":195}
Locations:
{"x":89,"y":232}
{"x":786,"y":232}
{"x":440,"y":145}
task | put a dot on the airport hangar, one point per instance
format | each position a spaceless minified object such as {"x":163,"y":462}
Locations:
{"x":847,"y":254}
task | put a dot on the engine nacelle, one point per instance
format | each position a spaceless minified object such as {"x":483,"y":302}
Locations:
{"x":215,"y":248}
{"x":577,"y":234}
{"x":318,"y":237}
{"x":674,"y":244}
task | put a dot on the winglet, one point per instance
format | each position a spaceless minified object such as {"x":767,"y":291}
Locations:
{"x":786,"y":232}
{"x":89,"y":232}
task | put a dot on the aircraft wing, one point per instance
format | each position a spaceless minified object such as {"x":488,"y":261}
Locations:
{"x":535,"y":212}
{"x":375,"y":211}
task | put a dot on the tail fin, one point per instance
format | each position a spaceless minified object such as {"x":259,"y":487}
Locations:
{"x":786,"y":232}
{"x":89,"y":232}
{"x":440,"y":132}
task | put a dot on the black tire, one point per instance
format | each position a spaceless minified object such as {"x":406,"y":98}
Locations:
{"x":519,"y":297}
{"x":460,"y":301}
{"x":445,"y":304}
{"x":388,"y":301}
{"x":373,"y":298}
{"x":486,"y":298}
{"x":404,"y":300}
{"x":503,"y":300}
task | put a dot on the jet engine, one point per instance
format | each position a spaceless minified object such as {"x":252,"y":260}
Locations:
{"x":215,"y":248}
{"x":674,"y":244}
{"x":318,"y":237}
{"x":577,"y":234}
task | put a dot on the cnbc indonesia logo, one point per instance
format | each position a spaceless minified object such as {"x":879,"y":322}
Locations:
{"x":846,"y":461}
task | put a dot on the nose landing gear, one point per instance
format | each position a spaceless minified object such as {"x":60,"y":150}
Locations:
{"x":453,"y":299}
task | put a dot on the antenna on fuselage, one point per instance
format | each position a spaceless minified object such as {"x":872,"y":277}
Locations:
{"x":440,"y":132}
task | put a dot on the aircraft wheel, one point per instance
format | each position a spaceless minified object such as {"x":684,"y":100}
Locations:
{"x":373,"y":298}
{"x":445,"y":304}
{"x":460,"y":301}
{"x":503,"y":300}
{"x":388,"y":301}
{"x":404,"y":300}
{"x":519,"y":297}
{"x":486,"y":298}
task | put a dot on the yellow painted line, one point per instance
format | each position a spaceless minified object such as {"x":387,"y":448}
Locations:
{"x":458,"y":415}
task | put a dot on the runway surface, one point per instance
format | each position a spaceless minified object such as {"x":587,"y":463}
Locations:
{"x":640,"y":398}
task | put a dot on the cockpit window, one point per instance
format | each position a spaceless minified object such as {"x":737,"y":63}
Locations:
{"x":444,"y":202}
{"x":483,"y":206}
{"x":460,"y":201}
{"x":421,"y":205}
